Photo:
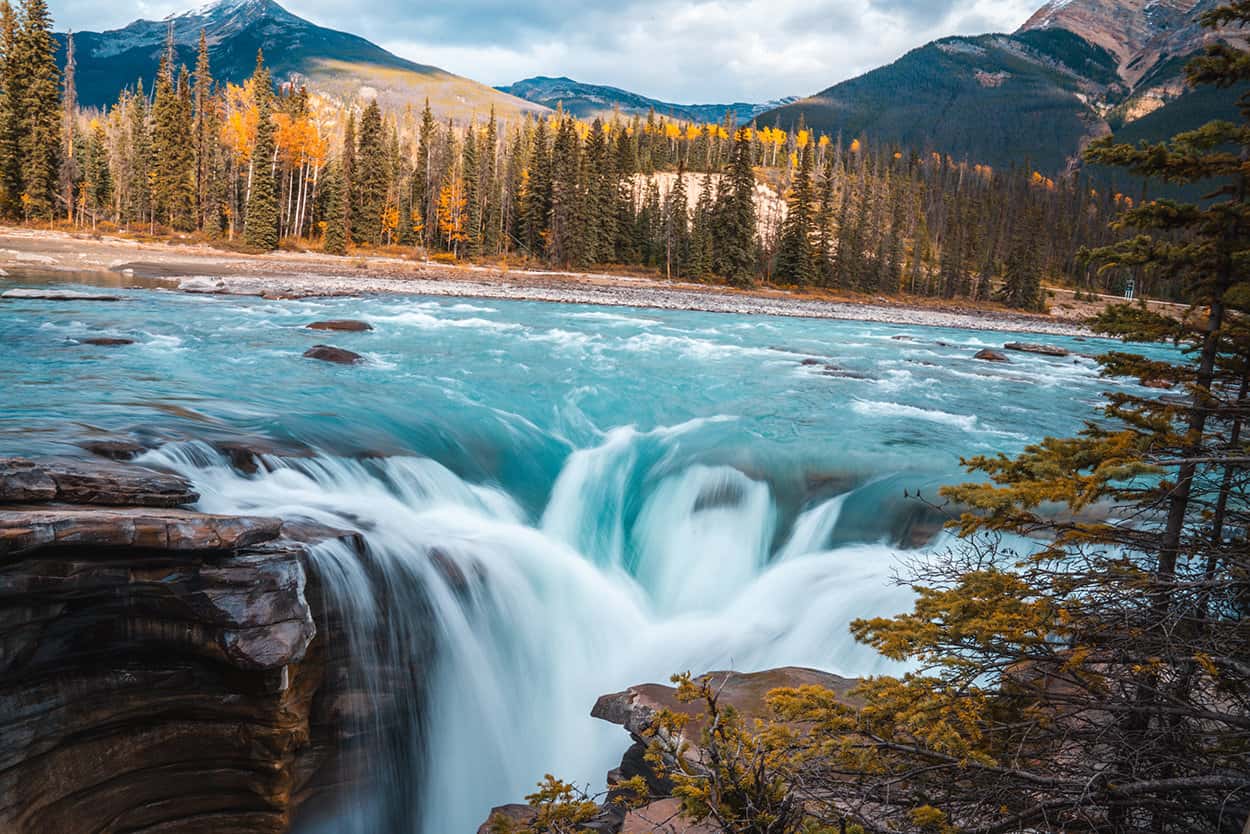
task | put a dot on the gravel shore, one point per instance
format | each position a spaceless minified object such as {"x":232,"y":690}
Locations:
{"x":117,"y":262}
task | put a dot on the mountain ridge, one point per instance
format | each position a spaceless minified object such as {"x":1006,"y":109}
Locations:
{"x":338,"y":64}
{"x":1076,"y":70}
{"x":588,"y":101}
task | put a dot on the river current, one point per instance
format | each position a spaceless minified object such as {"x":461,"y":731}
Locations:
{"x":577,"y":498}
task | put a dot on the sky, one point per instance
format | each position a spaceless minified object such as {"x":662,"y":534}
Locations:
{"x":687,"y":51}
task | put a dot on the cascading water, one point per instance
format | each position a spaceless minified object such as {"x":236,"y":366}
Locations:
{"x":556,"y":502}
{"x":528,"y":630}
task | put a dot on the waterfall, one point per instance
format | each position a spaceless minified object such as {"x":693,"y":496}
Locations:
{"x":643,"y":563}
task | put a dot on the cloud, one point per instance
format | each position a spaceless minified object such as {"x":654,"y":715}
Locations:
{"x":694,"y":51}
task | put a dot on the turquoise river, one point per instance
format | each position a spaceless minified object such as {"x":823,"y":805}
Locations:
{"x":630,"y":492}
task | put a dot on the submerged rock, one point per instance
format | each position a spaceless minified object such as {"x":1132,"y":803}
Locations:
{"x":987,"y":355}
{"x":328,"y":353}
{"x":107,"y":341}
{"x":114,"y":448}
{"x":58,"y":295}
{"x":1031,"y":347}
{"x":341,"y":325}
{"x":90,"y":482}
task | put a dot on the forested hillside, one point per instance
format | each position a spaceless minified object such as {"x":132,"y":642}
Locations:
{"x":264,"y":165}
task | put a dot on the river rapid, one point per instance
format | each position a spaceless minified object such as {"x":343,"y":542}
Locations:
{"x":563,"y":499}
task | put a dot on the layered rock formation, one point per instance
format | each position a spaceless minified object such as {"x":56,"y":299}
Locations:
{"x":160,"y":668}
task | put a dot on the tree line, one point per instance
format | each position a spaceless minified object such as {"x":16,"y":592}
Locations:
{"x":714,"y":202}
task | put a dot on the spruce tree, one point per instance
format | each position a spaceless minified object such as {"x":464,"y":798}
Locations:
{"x":1022,"y":276}
{"x":139,"y":146}
{"x":261,"y":226}
{"x":204,"y":130}
{"x":370,"y":178}
{"x":472,"y":247}
{"x":173,"y":149}
{"x":12,"y":94}
{"x":334,"y":241}
{"x":795,"y":255}
{"x":40,"y":118}
{"x":70,"y":170}
{"x":736,"y":241}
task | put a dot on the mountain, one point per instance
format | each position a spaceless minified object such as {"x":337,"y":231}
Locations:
{"x":1077,"y":69}
{"x":586,"y":101}
{"x":329,"y":62}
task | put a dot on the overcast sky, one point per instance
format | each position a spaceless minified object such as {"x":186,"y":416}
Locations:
{"x":705,"y":51}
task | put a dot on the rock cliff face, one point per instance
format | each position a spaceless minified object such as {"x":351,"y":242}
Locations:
{"x":161,"y":669}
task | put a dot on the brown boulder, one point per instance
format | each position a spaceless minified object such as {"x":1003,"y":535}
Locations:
{"x":90,"y":482}
{"x":328,"y":353}
{"x":1031,"y":347}
{"x":114,"y":448}
{"x":341,"y":325}
{"x":635,"y":708}
{"x":507,"y":816}
{"x":987,"y":355}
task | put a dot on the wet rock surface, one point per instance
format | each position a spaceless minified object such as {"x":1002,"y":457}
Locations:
{"x":90,"y":482}
{"x":161,"y":669}
{"x":987,"y":355}
{"x":1030,"y":347}
{"x":108,"y":341}
{"x":329,"y":353}
{"x":341,"y":325}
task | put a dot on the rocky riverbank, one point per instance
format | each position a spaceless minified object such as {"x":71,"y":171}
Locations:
{"x":635,"y":709}
{"x":198,"y":268}
{"x":162,"y":668}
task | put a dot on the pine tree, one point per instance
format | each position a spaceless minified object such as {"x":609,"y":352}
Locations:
{"x":422,"y":180}
{"x":334,"y":241}
{"x":140,"y":185}
{"x":173,"y":149}
{"x":536,"y":208}
{"x":472,"y":194}
{"x":204,"y":130}
{"x":736,"y":241}
{"x":347,"y":170}
{"x":12,"y":94}
{"x":70,"y":171}
{"x":795,"y":255}
{"x":40,"y":115}
{"x":370,"y":178}
{"x":261,"y":226}
{"x":1022,"y":277}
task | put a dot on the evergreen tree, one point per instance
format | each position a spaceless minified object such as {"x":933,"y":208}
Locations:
{"x":347,"y":171}
{"x":1022,"y":278}
{"x":795,"y":256}
{"x":736,"y":243}
{"x":173,"y":150}
{"x":335,"y":237}
{"x":472,"y":194}
{"x":370,"y":178}
{"x":70,"y":171}
{"x":205,"y":146}
{"x":40,"y":115}
{"x":261,"y":226}
{"x":140,"y":184}
{"x":12,"y":94}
